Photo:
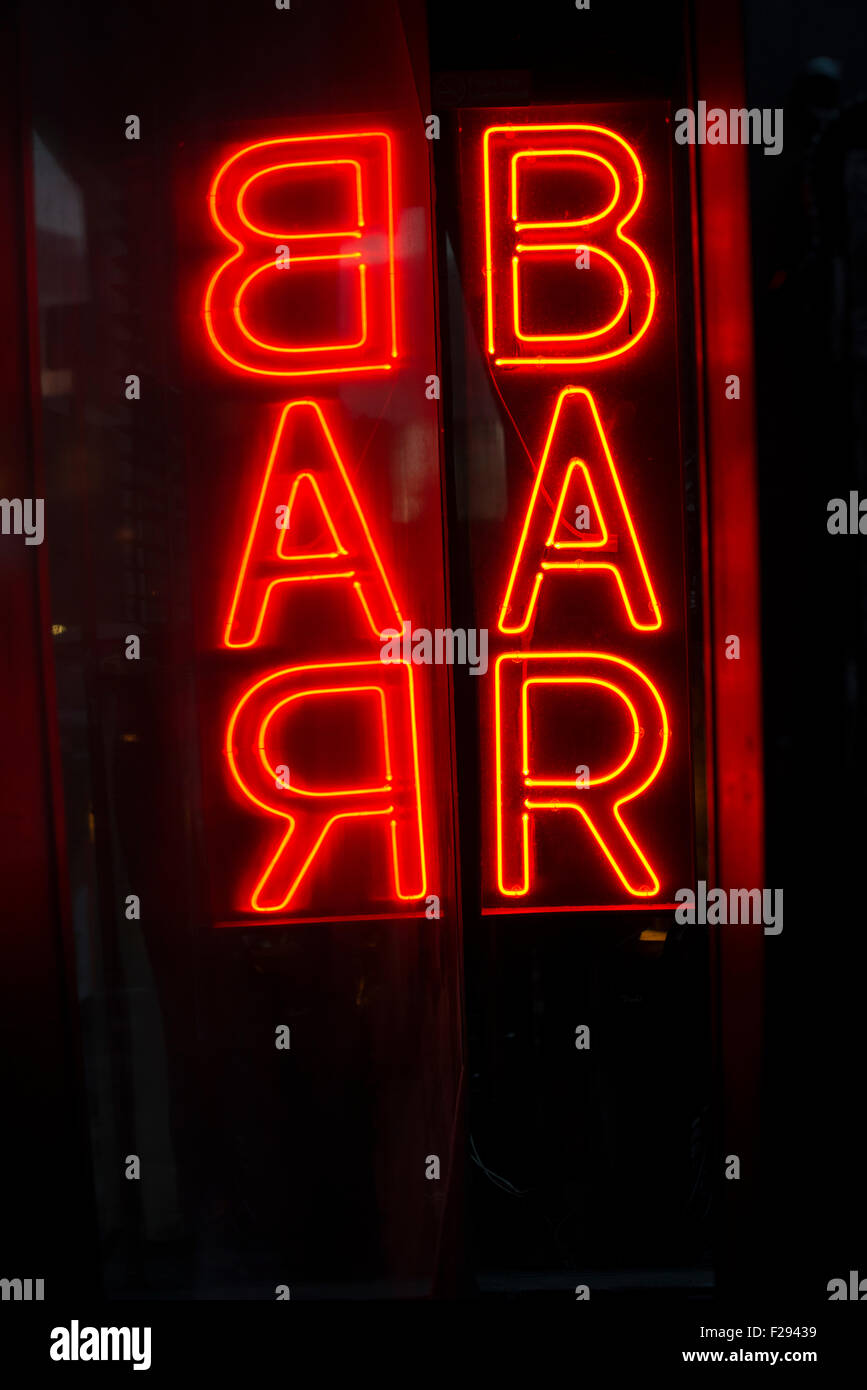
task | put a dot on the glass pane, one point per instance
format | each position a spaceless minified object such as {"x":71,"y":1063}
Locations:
{"x":259,"y":808}
{"x":576,"y":532}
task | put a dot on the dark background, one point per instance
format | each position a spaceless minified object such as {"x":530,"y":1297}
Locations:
{"x":809,"y":228}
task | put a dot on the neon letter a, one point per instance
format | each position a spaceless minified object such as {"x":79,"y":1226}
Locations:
{"x":304,"y":463}
{"x":576,"y":442}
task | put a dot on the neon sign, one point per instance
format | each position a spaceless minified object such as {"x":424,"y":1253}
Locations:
{"x":518,"y":800}
{"x":328,"y":750}
{"x":270,"y":560}
{"x":589,"y":751}
{"x":311,"y":813}
{"x":323,"y":756}
{"x":576,"y":427}
{"x":360,"y":274}
{"x":511,"y":155}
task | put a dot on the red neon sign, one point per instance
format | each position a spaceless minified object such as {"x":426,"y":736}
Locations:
{"x":586,"y":618}
{"x":306,"y":263}
{"x":514,"y":243}
{"x":577,"y":429}
{"x":304,"y":453}
{"x":312,"y":813}
{"x":601,"y":795}
{"x":323,"y":805}
{"x":587,"y":771}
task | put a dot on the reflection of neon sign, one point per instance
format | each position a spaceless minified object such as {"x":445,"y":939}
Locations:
{"x":311,"y":812}
{"x":269,"y":559}
{"x":339,"y":228}
{"x":362,"y":270}
{"x":268,"y":562}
